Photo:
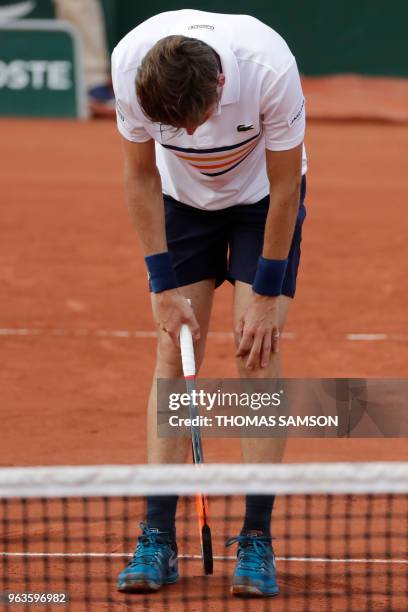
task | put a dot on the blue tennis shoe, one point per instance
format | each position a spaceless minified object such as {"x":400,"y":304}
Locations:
{"x":153,"y":564}
{"x":255,"y":571}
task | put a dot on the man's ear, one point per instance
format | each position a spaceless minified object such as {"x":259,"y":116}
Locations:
{"x":221,"y":79}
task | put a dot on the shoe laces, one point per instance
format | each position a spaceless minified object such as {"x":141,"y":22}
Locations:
{"x":150,"y":543}
{"x":252,"y":550}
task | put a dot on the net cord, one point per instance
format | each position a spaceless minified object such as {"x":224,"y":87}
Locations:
{"x":210,"y":479}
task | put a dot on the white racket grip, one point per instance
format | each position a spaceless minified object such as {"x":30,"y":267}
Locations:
{"x":187,"y":351}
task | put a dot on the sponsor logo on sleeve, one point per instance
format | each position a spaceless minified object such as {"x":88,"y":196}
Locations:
{"x":297,"y":115}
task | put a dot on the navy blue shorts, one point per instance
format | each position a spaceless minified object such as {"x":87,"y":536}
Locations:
{"x":225,"y":244}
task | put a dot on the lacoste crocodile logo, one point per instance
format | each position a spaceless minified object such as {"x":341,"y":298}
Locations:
{"x":244,"y":128}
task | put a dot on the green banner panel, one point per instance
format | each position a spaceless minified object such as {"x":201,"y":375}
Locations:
{"x":111,"y":14}
{"x":362,"y":37}
{"x":41,"y":73}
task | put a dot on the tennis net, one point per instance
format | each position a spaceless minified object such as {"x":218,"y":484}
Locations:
{"x":340,"y":535}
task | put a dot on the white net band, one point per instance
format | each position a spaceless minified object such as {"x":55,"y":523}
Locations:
{"x":211,"y":479}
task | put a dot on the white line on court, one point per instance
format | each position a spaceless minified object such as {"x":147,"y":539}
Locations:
{"x":216,"y":557}
{"x":140,"y":334}
{"x":107,"y":333}
{"x":367,"y":337}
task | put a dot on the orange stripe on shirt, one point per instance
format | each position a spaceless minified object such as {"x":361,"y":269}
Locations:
{"x":220,"y":157}
{"x":229,"y":162}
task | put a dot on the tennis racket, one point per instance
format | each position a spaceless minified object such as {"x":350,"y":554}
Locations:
{"x":189,"y":371}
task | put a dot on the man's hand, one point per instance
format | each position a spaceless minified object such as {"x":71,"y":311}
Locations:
{"x":258,"y":332}
{"x":171,"y":311}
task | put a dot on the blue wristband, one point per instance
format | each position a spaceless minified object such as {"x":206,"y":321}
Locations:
{"x":269,"y":276}
{"x":161,"y":274}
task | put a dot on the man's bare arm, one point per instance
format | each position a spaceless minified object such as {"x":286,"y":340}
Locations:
{"x":143,"y":195}
{"x":284,"y":172}
{"x":144,"y":199}
{"x":258,"y":329}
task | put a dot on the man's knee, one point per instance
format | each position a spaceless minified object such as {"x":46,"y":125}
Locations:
{"x":271,"y":371}
{"x":168,"y":361}
{"x":168,"y":358}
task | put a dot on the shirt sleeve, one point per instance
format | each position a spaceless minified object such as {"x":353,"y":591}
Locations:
{"x":128,"y":112}
{"x":283,"y":110}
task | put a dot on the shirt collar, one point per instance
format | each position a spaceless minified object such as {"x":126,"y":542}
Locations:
{"x":216,"y":39}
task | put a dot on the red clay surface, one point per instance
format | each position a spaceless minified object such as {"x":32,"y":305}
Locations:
{"x":70,"y":261}
{"x":352,"y":96}
{"x":350,"y":585}
{"x":71,"y":273}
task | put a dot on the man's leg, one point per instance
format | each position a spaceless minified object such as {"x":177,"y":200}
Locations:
{"x":154,"y":562}
{"x":255,"y":572}
{"x":161,"y":510}
{"x":168,"y":365}
{"x":87,"y":17}
{"x":259,"y":450}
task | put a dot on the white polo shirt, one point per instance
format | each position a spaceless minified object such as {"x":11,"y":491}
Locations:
{"x":262,"y":106}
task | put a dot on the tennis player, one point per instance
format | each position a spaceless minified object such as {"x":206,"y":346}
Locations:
{"x":212,"y":115}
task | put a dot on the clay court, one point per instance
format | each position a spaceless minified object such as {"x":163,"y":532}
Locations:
{"x":77,"y":337}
